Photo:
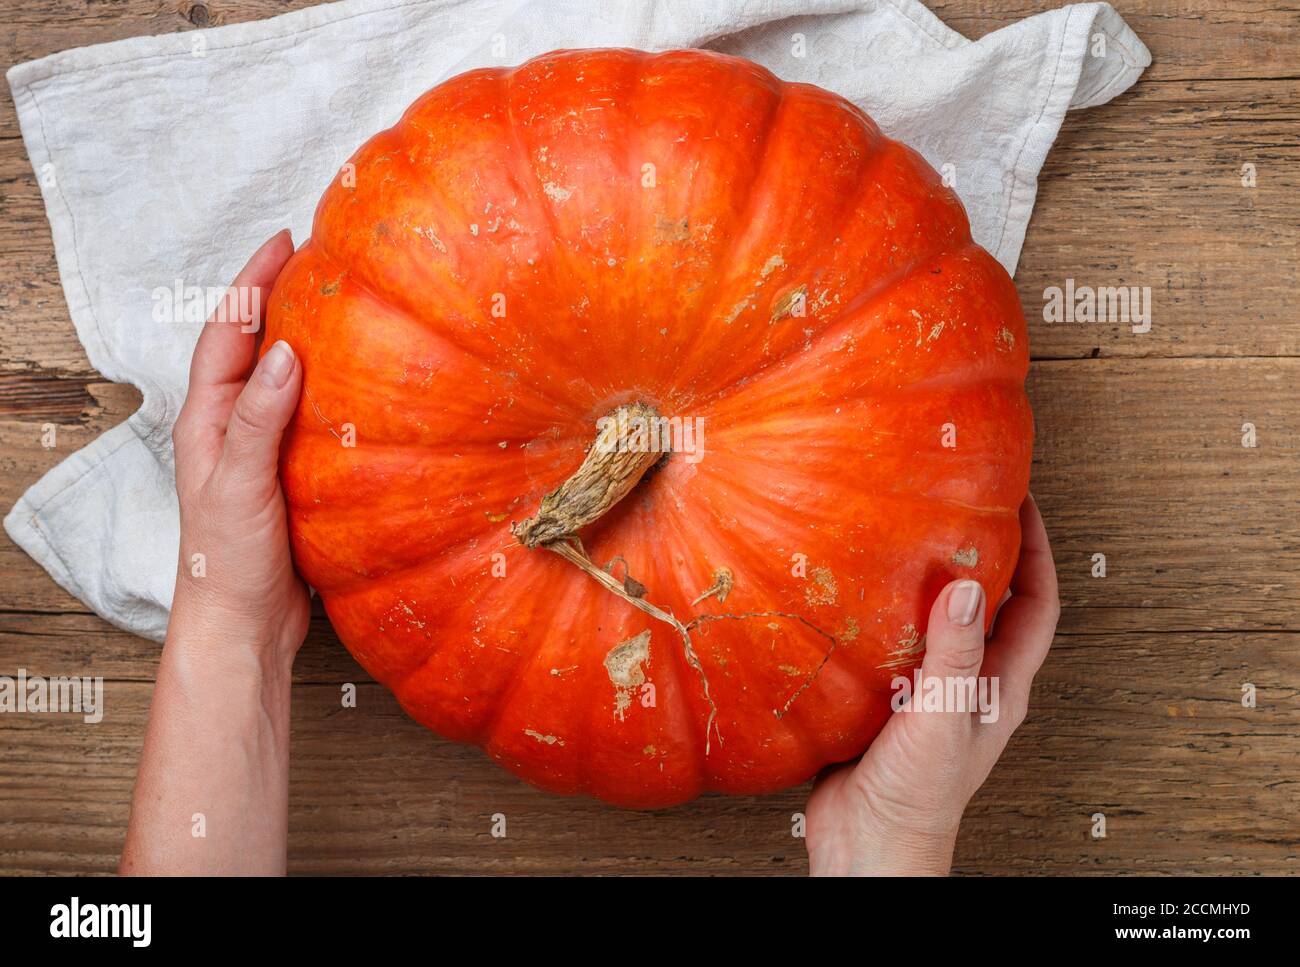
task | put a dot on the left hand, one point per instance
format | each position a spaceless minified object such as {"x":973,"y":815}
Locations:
{"x":212,"y":795}
{"x":244,"y":591}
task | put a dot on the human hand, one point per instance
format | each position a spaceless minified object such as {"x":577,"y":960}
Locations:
{"x":896,"y":811}
{"x":216,"y":752}
{"x":245,"y":596}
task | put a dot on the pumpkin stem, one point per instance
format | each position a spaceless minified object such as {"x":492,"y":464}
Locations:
{"x":622,"y":452}
{"x":572,"y":551}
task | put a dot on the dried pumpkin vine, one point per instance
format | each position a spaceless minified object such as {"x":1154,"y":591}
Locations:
{"x":609,"y":472}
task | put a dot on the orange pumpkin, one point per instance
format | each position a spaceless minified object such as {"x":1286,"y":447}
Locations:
{"x":680,"y":236}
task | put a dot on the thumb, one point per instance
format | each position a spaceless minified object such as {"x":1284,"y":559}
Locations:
{"x":954,"y":639}
{"x":257,"y":421}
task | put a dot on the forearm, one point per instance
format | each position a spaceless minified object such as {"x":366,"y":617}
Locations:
{"x":212,"y":791}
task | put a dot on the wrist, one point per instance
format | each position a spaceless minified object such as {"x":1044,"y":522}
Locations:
{"x":247,"y":644}
{"x":886,"y":851}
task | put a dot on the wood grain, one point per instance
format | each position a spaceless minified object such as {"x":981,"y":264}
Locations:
{"x":1188,"y":779}
{"x":1191,"y":39}
{"x":1137,"y":713}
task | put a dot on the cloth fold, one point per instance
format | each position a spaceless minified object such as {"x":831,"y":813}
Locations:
{"x":167,"y":160}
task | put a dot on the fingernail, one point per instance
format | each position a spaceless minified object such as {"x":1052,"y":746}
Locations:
{"x":964,"y":602}
{"x":276,"y":365}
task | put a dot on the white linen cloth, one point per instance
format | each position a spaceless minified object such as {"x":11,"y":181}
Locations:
{"x":172,"y":158}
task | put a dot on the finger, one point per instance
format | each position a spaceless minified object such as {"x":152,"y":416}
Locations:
{"x":954,"y":638}
{"x":1026,"y":624}
{"x":221,"y":360}
{"x":225,"y":348}
{"x":954,"y":646}
{"x":1035,"y":574}
{"x":252,"y":449}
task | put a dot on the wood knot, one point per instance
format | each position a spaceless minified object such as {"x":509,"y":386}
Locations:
{"x":199,"y":15}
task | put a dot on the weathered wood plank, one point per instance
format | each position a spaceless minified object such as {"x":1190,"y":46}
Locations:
{"x":1149,"y":730}
{"x":1202,"y":39}
{"x":82,"y":644}
{"x":1147,"y":191}
{"x":1189,"y":779}
{"x":1189,"y":39}
{"x":1142,"y":461}
{"x":24,"y":459}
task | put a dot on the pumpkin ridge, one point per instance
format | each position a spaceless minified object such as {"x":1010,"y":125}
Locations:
{"x":685,"y":662}
{"x":834,"y":324}
{"x":695,"y":703}
{"x":467,"y":535}
{"x":754,"y":498}
{"x":686,"y":652}
{"x":467,"y":532}
{"x":529,"y":182}
{"x":435,"y":332}
{"x":824,"y":413}
{"x":811,"y":256}
{"x":753,"y":581}
{"x":530,"y":186}
{"x":822,"y":647}
{"x":664,"y":586}
{"x":310,"y":421}
{"x":398,"y":682}
{"x":789,"y":714}
{"x":438,"y":562}
{"x":725,"y":259}
{"x":924,"y":386}
{"x":493,"y":723}
{"x":395,"y":144}
{"x":740,"y":466}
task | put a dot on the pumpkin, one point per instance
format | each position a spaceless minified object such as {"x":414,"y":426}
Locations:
{"x":509,"y":302}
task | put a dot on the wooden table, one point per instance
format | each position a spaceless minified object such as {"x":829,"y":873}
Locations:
{"x":1138,"y":712}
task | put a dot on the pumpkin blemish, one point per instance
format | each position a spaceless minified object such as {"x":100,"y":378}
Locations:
{"x":910,"y":645}
{"x":623,"y":665}
{"x":723,"y":582}
{"x":823,"y":589}
{"x":545,"y":739}
{"x":784,"y":306}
